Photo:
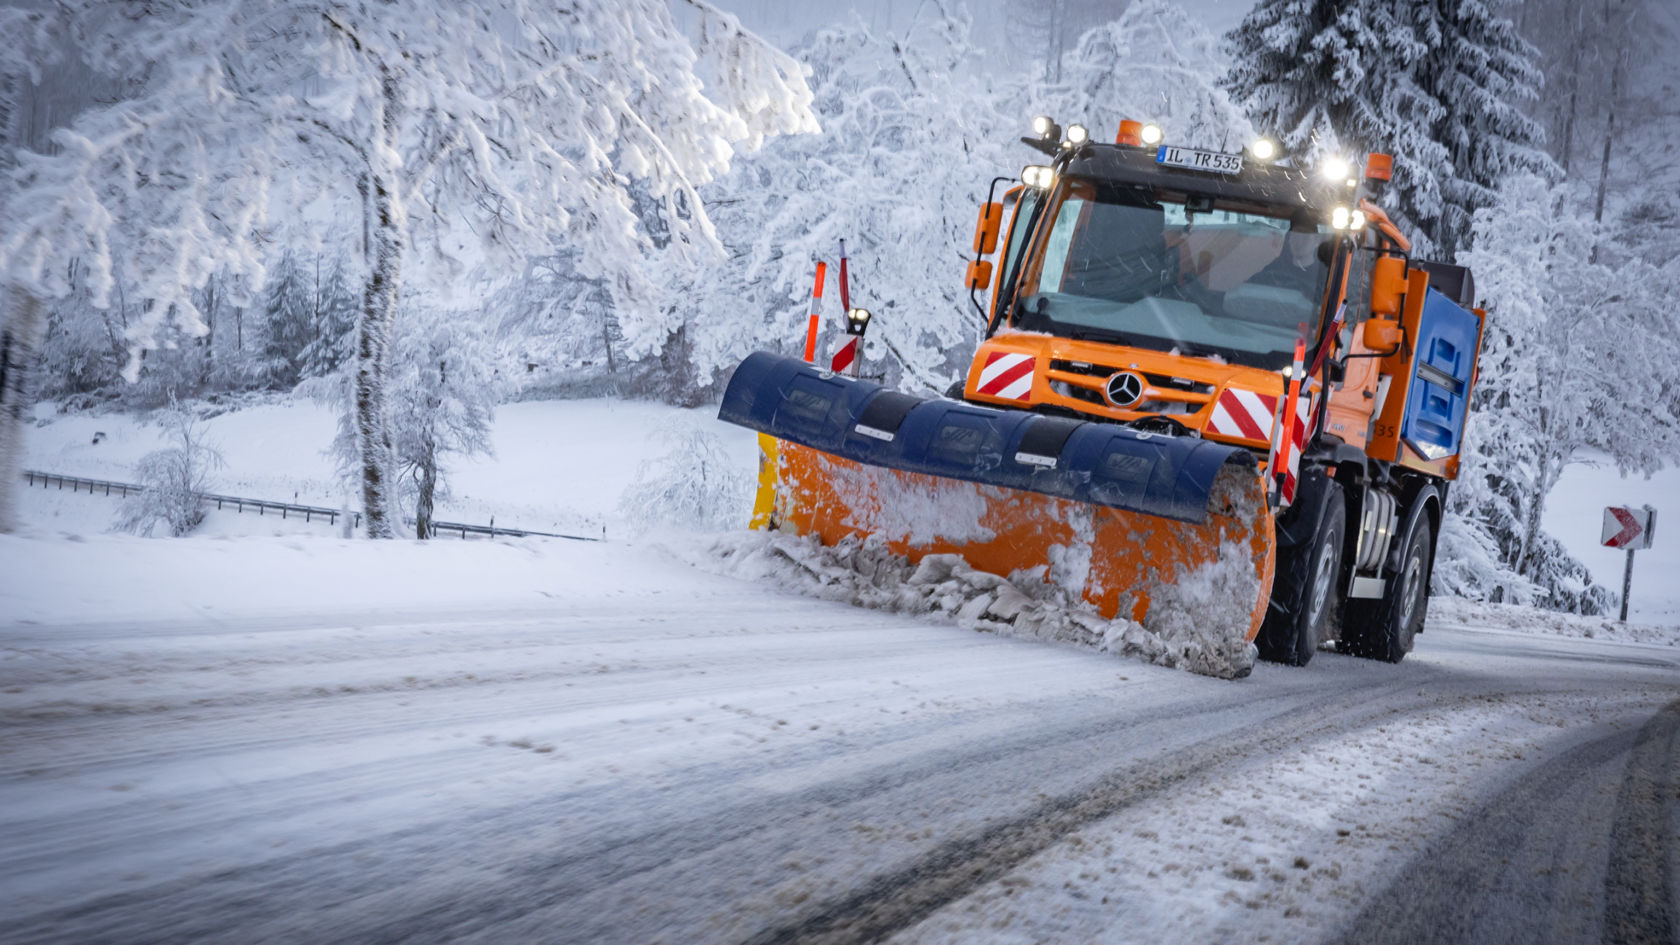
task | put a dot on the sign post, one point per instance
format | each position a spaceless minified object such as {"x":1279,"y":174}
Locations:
{"x":1632,"y":529}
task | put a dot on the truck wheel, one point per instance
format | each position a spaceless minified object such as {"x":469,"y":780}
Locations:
{"x":1311,"y":582}
{"x":1384,"y":629}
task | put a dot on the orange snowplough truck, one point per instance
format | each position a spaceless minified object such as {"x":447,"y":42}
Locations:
{"x":1205,"y":378}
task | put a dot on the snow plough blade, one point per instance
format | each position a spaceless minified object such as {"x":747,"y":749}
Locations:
{"x":1154,"y":528}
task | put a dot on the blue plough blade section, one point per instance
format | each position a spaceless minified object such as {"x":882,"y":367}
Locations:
{"x":1097,"y":463}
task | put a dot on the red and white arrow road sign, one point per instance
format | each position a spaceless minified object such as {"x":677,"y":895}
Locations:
{"x":1627,"y":528}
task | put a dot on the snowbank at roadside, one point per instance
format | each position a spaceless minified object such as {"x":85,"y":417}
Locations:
{"x":1456,"y":612}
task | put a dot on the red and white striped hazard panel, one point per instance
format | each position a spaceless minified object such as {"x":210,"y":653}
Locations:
{"x":1007,"y":375}
{"x":1243,"y":413}
{"x":842,"y":361}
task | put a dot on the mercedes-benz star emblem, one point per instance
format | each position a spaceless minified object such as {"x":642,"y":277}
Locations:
{"x":1124,"y":389}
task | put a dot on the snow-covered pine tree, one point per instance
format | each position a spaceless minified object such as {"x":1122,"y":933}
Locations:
{"x":1438,"y":84}
{"x":482,"y":133}
{"x":1331,"y":76}
{"x":332,"y":321}
{"x":289,"y":300}
{"x":1484,"y":75}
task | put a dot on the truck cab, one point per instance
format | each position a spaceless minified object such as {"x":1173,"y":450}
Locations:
{"x":1251,"y":301}
{"x":1131,"y":289}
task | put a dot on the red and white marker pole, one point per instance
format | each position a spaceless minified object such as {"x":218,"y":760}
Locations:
{"x":847,"y":360}
{"x":1287,"y":455}
{"x":816,"y":314}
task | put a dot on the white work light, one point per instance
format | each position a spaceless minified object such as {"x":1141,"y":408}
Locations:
{"x":857,"y":321}
{"x":1151,"y":134}
{"x":1037,"y":175}
{"x":1042,"y":125}
{"x":1340,"y":218}
{"x":1337,"y":168}
{"x":1356,"y":220}
{"x":1263,"y":149}
{"x":1077,"y":134}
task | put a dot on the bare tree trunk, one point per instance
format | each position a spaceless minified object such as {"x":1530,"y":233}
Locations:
{"x":1609,"y":138}
{"x":20,"y":335}
{"x":425,"y":502}
{"x":1574,"y":95}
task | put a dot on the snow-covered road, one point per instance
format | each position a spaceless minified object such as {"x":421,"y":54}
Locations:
{"x":623,"y":748}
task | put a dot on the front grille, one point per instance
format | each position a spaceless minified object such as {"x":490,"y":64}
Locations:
{"x":1157,"y":381}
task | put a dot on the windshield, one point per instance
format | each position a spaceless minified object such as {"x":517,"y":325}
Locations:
{"x":1134,"y":266}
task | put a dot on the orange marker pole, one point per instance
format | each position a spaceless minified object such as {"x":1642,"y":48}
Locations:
{"x":816,"y":313}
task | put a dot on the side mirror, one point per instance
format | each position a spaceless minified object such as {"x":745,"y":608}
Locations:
{"x":1388,"y":283}
{"x":979,"y":274}
{"x":987,"y":227}
{"x":1381,"y":335}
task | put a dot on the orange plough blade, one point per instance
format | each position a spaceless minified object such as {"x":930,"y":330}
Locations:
{"x":1159,"y":572}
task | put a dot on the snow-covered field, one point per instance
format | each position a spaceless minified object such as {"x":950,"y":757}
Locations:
{"x":557,"y":465}
{"x":563,"y":466}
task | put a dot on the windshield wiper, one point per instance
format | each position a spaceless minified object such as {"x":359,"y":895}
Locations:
{"x":1107,"y":335}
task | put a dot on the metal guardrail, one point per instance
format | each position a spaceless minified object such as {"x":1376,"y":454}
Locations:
{"x":241,"y":504}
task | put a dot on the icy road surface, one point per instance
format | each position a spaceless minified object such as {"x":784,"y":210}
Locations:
{"x":240,"y":742}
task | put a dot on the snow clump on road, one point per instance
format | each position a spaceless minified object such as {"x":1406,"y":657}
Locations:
{"x":867,"y":574}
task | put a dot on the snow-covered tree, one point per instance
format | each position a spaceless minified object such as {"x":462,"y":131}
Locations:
{"x":172,"y":480}
{"x":332,"y":321}
{"x":1154,"y":63}
{"x":1575,"y":358}
{"x":1485,"y":76}
{"x":914,"y":130}
{"x":695,"y":485}
{"x":1439,"y":84}
{"x":1327,"y":76}
{"x":289,"y":302}
{"x":443,"y":401}
{"x":478,"y":133}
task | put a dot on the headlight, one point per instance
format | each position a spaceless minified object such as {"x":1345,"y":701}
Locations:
{"x":1263,"y":149}
{"x":1151,"y":134}
{"x":1356,"y":220}
{"x":1340,"y":218}
{"x":1037,"y":175}
{"x":1336,"y":168}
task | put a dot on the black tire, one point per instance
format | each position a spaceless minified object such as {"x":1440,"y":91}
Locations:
{"x":1385,"y":629}
{"x":1307,"y":592}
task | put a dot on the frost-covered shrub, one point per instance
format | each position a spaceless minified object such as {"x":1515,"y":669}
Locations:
{"x":696,"y":485}
{"x":172,"y":481}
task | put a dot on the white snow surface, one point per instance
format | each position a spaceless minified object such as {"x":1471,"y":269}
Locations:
{"x":412,"y":739}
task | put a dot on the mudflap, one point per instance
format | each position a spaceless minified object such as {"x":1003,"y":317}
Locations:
{"x":1153,"y":528}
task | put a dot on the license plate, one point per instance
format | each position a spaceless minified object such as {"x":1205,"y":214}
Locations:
{"x":1191,"y":159}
